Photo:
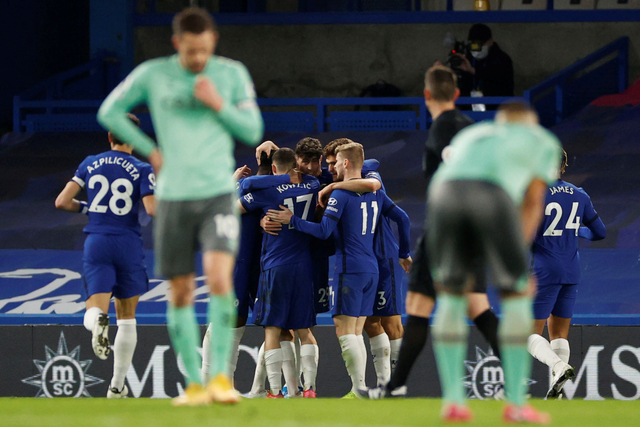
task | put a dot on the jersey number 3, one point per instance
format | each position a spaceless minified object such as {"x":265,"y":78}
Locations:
{"x":573,"y":223}
{"x":123,"y":196}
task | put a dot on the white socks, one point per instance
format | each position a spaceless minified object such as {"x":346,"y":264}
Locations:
{"x":363,"y":361}
{"x":124,"y":346}
{"x":260,"y":374}
{"x":352,"y":356}
{"x":90,"y":317}
{"x":560,"y":346}
{"x":289,"y":367}
{"x":380,"y":352}
{"x":309,"y":355}
{"x":273,"y":364}
{"x":395,"y":353}
{"x":235,"y":350}
{"x":206,"y":355}
{"x":540,"y":348}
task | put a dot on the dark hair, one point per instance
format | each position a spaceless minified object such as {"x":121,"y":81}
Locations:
{"x":514,"y":110}
{"x":265,"y":164}
{"x":193,"y":20}
{"x":441,"y":82}
{"x":284,"y":159}
{"x":479,"y":32}
{"x":309,"y":148}
{"x":134,"y":119}
{"x":564,"y":163}
{"x":330,"y":148}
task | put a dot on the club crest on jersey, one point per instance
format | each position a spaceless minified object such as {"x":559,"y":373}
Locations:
{"x":62,"y":373}
{"x":485,"y":378}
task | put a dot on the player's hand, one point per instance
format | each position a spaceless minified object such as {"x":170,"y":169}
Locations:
{"x":465,"y":65}
{"x":324,"y":194}
{"x":242,"y":172}
{"x":155,"y":158}
{"x":405,"y":263}
{"x":205,"y":91}
{"x":265,"y":147}
{"x":283,"y":216}
{"x":270,"y":227}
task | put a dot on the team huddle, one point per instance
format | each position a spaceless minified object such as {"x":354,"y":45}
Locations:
{"x":267,"y":240}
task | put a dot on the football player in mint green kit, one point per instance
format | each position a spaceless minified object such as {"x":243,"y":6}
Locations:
{"x":199,"y":103}
{"x":484,"y":207}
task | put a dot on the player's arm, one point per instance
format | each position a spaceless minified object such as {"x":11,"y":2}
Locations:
{"x":320,"y":230}
{"x":396,"y":214}
{"x":363,"y":185}
{"x":239,"y":115}
{"x":532,"y":208}
{"x":149,"y":203}
{"x":593,"y":228}
{"x":266,"y":147}
{"x":112,"y":113}
{"x":66,"y":199}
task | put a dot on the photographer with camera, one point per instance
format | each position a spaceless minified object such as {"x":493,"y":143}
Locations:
{"x":482,"y":67}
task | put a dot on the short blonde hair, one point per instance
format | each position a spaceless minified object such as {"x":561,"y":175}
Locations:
{"x":352,"y":151}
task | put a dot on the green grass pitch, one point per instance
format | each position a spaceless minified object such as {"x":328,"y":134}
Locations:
{"x":26,"y":412}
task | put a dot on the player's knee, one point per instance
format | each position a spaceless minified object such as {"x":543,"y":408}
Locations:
{"x":419,"y":305}
{"x":393,"y":327}
{"x":373,"y":328}
{"x":219,"y":284}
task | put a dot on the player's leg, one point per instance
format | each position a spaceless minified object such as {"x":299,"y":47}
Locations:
{"x":350,"y":347}
{"x":99,"y":279}
{"x":393,"y":328}
{"x":124,"y":344}
{"x":380,"y":348}
{"x":175,"y":240}
{"x":259,"y":376}
{"x":480,"y":311}
{"x":560,"y":321}
{"x":273,"y":360}
{"x":309,"y":356}
{"x":289,"y":370}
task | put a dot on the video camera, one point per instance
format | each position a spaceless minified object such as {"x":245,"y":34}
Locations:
{"x":455,"y":47}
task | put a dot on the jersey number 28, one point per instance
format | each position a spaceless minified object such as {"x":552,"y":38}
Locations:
{"x":116,"y":195}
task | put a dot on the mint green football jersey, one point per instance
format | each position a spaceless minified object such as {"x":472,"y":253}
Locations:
{"x":507,"y":155}
{"x":196,"y":142}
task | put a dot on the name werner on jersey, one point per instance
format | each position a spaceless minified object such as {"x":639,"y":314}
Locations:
{"x":126,"y":165}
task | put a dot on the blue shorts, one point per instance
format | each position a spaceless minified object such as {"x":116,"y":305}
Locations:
{"x":391,"y":293}
{"x":114,"y":263}
{"x":355,"y":294}
{"x":321,"y":287}
{"x":555,"y":299}
{"x":246,"y":277}
{"x":285,"y":297}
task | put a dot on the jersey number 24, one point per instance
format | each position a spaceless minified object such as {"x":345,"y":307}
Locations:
{"x":573,"y":223}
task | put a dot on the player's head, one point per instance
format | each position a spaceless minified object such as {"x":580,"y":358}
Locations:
{"x":349,"y":158}
{"x":265,"y":164}
{"x":517,"y":111}
{"x":194,"y":37}
{"x":440,"y":85}
{"x":564,"y":163}
{"x":330,"y":154}
{"x":284,"y":160}
{"x":309,"y":156}
{"x":116,"y":142}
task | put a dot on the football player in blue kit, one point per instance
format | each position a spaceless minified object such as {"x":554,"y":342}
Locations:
{"x":285,"y":294}
{"x":352,"y":220}
{"x":115,"y":183}
{"x":384,"y":327}
{"x":246,"y":273}
{"x":569,"y":215}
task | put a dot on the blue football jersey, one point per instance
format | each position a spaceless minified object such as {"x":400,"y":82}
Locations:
{"x":289,"y":246}
{"x":385,"y":243}
{"x":115,"y":183}
{"x":325,"y":177}
{"x":555,"y":249}
{"x":352,"y":219}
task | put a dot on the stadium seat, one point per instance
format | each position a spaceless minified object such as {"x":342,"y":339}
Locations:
{"x":524,"y":4}
{"x":574,"y":4}
{"x":618,"y":4}
{"x":433,"y":5}
{"x":462,"y":5}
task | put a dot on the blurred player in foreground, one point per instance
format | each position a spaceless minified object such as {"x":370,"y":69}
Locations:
{"x":484,"y":207}
{"x":199,"y":104}
{"x":569,"y":215}
{"x":115,"y":182}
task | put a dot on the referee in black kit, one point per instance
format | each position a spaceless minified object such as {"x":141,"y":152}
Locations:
{"x":440,"y":94}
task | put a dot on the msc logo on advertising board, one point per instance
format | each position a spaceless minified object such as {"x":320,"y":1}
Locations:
{"x":62,"y":373}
